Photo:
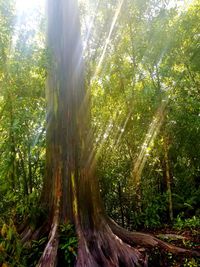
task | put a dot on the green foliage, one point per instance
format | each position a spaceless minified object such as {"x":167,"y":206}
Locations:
{"x":10,"y":246}
{"x":68,"y":245}
{"x":32,"y":253}
{"x":31,"y":210}
{"x":158,"y":258}
{"x":191,"y":223}
{"x":13,"y":253}
{"x":154,"y":62}
{"x":154,"y":212}
{"x":22,"y":112}
{"x":191,"y":263}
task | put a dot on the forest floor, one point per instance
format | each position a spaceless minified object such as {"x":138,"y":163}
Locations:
{"x":186,"y":238}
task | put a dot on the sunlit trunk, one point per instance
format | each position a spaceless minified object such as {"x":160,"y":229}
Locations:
{"x":70,"y":191}
{"x":65,"y":89}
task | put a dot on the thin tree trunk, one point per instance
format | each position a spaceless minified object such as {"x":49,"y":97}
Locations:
{"x":121,"y":203}
{"x":30,"y":178}
{"x":12,"y":148}
{"x":24,"y":175}
{"x":168,"y":178}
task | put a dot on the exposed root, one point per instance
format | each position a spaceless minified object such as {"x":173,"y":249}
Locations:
{"x":29,"y":234}
{"x":109,"y":245}
{"x":104,"y":249}
{"x":147,"y":240}
{"x":172,"y":237}
{"x":41,"y":231}
{"x":22,"y":226}
{"x":49,"y":256}
{"x":26,"y":234}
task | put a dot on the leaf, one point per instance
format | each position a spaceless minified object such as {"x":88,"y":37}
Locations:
{"x":4,"y":230}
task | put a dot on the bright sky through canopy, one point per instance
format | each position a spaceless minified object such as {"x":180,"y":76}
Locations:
{"x":182,"y":4}
{"x":26,"y":5}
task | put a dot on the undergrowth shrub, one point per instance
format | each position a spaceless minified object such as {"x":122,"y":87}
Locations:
{"x":191,"y":223}
{"x":33,"y":252}
{"x":10,"y":246}
{"x":68,"y":245}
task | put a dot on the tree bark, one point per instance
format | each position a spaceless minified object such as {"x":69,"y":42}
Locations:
{"x":70,"y":190}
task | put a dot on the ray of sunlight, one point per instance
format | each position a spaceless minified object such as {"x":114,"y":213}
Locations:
{"x":108,"y":38}
{"x":148,"y":141}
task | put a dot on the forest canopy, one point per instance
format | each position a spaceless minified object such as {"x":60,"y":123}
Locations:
{"x":99,"y":130}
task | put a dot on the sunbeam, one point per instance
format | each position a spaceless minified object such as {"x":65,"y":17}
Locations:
{"x":90,"y":26}
{"x":148,"y":142}
{"x":108,"y":38}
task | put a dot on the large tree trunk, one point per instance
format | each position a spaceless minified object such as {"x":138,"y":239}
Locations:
{"x":70,"y":190}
